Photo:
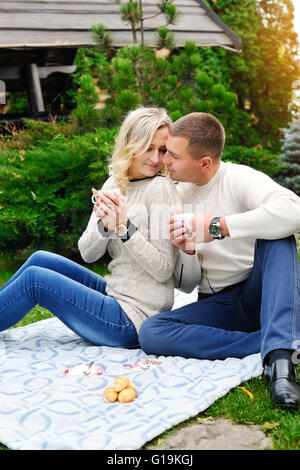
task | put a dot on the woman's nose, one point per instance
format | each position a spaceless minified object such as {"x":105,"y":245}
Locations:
{"x":155,"y":156}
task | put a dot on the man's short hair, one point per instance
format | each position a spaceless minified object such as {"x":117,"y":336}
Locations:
{"x":205,"y":133}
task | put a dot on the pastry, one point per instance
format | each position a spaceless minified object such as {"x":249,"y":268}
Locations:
{"x":121,"y":382}
{"x":110,"y":394}
{"x":123,"y":390}
{"x":131,"y":385}
{"x":126,"y":395}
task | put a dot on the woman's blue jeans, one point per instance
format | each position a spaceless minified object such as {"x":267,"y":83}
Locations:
{"x":257,"y":315}
{"x":73,"y":294}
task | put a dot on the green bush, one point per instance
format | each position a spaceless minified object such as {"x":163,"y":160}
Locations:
{"x":290,"y":157}
{"x":46,"y":176}
{"x":135,"y":76}
{"x":259,"y":159}
{"x":45,"y":189}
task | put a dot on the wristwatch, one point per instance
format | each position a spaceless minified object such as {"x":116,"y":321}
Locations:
{"x":124,"y":231}
{"x":215,"y":229}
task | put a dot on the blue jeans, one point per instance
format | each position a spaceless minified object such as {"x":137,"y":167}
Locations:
{"x":257,"y":315}
{"x":73,"y":294}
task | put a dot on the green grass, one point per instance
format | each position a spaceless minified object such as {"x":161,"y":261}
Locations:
{"x":282,"y":426}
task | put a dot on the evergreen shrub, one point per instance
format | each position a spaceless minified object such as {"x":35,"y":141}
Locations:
{"x":45,"y":190}
{"x":260,"y":159}
{"x":135,"y":76}
{"x":290,"y":158}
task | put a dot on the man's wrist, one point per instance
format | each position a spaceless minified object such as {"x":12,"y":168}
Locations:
{"x":224,"y":228}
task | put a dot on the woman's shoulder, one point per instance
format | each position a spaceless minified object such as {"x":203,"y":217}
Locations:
{"x":109,"y":183}
{"x":163,"y":189}
{"x":163,"y":181}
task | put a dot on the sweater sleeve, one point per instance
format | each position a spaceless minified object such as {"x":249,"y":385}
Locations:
{"x":270,"y":210}
{"x":187,"y":272}
{"x":92,"y":245}
{"x":155,"y":254}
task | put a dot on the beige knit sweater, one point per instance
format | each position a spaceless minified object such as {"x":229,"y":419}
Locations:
{"x":254,"y":207}
{"x":141,"y":278}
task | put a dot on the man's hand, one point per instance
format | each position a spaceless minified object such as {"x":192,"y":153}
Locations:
{"x":200,"y":226}
{"x":179,"y":238}
{"x":200,"y":234}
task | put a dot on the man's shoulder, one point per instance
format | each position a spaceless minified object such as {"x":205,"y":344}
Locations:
{"x":238,"y":170}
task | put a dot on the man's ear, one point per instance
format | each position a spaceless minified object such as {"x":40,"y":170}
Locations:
{"x":206,"y":162}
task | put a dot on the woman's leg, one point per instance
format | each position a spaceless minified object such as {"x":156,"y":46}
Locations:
{"x":94,"y":316}
{"x":62,"y":265}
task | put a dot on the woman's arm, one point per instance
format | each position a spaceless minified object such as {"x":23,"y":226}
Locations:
{"x":155,"y":254}
{"x":92,"y":245}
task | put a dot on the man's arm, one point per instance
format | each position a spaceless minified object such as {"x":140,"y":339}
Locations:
{"x":270,"y":211}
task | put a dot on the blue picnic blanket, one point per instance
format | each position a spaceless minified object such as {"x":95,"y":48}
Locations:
{"x":48,"y":401}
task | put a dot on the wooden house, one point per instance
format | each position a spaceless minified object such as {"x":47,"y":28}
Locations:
{"x":39,"y":40}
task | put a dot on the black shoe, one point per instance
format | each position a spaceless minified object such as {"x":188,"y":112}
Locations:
{"x":285,"y":390}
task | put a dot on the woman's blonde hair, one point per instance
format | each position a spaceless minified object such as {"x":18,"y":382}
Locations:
{"x":134,"y":138}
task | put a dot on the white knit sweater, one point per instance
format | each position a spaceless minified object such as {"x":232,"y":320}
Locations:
{"x":254,"y":207}
{"x":141,"y":278}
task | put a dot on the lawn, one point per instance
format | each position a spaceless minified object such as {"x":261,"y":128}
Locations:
{"x":238,"y":405}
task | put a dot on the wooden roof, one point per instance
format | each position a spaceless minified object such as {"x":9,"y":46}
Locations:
{"x":67,"y":23}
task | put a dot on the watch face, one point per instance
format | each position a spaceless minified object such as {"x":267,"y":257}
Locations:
{"x":214,"y":230}
{"x":121,"y":229}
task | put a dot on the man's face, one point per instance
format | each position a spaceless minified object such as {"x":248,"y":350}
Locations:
{"x":181,"y":166}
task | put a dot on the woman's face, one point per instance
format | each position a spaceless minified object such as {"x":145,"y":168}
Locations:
{"x":150,"y":162}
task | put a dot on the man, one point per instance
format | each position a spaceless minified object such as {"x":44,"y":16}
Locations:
{"x":242,"y":257}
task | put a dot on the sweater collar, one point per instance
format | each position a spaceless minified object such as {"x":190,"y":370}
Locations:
{"x":212,"y":181}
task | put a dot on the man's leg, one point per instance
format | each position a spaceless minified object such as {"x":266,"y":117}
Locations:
{"x":220,"y":327}
{"x":213,"y":328}
{"x":275,"y":283}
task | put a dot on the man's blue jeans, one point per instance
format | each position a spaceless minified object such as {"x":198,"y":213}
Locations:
{"x":257,"y":315}
{"x":72,"y":293}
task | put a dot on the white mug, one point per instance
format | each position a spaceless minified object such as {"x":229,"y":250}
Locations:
{"x":109,"y":191}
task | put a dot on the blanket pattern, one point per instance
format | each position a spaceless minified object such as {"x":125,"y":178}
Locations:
{"x":42,"y":407}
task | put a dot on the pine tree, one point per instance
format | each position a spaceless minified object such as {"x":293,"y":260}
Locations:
{"x":264,"y":73}
{"x":290,"y":157}
{"x":132,"y":13}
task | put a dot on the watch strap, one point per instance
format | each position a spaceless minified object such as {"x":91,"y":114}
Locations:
{"x":131,"y":228}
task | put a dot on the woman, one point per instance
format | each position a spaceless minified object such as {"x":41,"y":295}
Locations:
{"x":132,"y":226}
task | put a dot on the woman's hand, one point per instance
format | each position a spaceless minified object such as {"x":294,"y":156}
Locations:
{"x":99,"y":212}
{"x":111,"y":209}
